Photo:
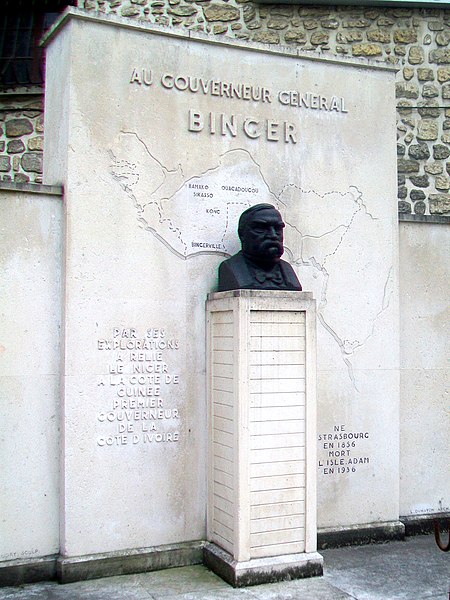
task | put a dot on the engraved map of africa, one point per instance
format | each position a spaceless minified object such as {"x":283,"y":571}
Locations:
{"x":198,"y":214}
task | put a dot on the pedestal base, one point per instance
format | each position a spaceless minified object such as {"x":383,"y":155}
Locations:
{"x":261,"y":570}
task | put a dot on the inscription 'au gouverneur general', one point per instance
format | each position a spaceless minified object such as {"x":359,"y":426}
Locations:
{"x":240,"y":91}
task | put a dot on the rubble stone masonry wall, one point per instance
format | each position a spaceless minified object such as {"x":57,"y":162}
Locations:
{"x":416,"y":40}
{"x":21,"y":138}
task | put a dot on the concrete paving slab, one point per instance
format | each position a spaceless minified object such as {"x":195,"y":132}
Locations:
{"x":412,"y":569}
{"x":182,"y":580}
{"x":223,"y":594}
{"x":100,"y":589}
{"x":31,"y":591}
{"x":126,"y":588}
{"x":316,"y":588}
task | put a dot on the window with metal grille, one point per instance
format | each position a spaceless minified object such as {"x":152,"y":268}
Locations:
{"x":22,"y":24}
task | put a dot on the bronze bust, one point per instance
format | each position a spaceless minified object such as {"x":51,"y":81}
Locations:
{"x":258,"y":265}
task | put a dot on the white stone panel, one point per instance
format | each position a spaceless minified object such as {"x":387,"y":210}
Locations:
{"x":424,"y":414}
{"x":30,"y":299}
{"x":358,"y":448}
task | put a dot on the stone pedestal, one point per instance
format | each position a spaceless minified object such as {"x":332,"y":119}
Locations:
{"x":261,"y":523}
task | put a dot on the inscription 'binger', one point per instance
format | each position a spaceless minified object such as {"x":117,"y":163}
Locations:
{"x":229,"y":125}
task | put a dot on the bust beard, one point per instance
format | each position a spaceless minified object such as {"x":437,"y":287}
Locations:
{"x":269,"y":255}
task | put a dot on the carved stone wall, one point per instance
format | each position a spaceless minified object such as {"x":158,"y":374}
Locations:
{"x":417,"y":40}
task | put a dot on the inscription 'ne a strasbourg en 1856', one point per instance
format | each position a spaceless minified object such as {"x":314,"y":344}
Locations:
{"x":138,"y":407}
{"x":341,"y":451}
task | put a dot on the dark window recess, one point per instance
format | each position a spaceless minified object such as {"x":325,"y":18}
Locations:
{"x":22,"y":24}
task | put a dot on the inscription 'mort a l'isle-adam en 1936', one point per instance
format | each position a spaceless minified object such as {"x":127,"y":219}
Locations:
{"x":138,"y":388}
{"x":341,"y":451}
{"x":231,"y":124}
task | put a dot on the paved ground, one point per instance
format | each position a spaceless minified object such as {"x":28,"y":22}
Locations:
{"x":411,"y":570}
